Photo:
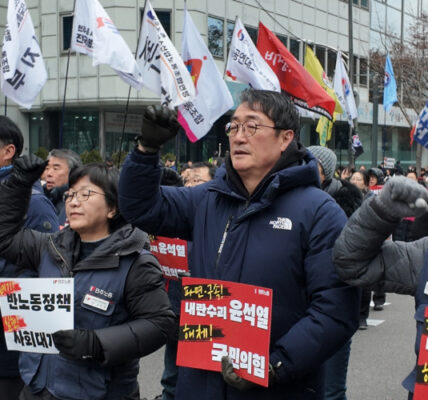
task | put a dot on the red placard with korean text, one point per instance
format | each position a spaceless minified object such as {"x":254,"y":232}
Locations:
{"x":220,"y":318}
{"x":171,"y":254}
{"x":421,"y":384}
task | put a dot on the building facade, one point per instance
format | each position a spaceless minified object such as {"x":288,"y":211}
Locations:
{"x":95,"y":98}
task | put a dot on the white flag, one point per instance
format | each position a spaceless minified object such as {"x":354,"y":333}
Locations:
{"x":95,"y":34}
{"x":213,"y":98}
{"x":23,"y":71}
{"x":246,"y":64}
{"x":163,"y":70}
{"x":343,"y":89}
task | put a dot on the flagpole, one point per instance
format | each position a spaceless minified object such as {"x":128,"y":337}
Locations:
{"x":127,"y":100}
{"x":61,"y":127}
{"x":5,"y":105}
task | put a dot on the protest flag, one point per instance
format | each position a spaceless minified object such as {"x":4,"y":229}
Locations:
{"x":246,"y":64}
{"x":357,"y":146}
{"x":212,"y":98}
{"x":343,"y":88}
{"x":95,"y":35}
{"x":389,"y":86}
{"x":295,"y":80}
{"x":421,"y":131}
{"x":164,"y":72}
{"x":23,"y":72}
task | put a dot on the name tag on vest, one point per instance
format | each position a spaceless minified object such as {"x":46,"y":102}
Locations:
{"x":95,"y":302}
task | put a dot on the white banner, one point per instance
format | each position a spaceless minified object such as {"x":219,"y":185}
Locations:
{"x":246,"y":64}
{"x":95,"y":35}
{"x":163,"y":70}
{"x":23,"y":72}
{"x":213,"y":98}
{"x":34,"y":308}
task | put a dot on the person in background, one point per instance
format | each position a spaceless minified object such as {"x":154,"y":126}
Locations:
{"x":376,"y":177}
{"x":42,"y":217}
{"x":201,"y":172}
{"x":60,"y":163}
{"x":360,"y":179}
{"x":263,"y":221}
{"x":349,"y":198}
{"x":346,"y":173}
{"x":364,"y":258}
{"x":412,"y":175}
{"x":99,"y":359}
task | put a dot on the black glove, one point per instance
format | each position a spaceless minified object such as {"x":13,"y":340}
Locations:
{"x":401,"y":197}
{"x":27,"y":169}
{"x":232,"y":379}
{"x":159,"y":125}
{"x":78,"y":344}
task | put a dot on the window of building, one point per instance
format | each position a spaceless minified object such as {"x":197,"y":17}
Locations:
{"x":395,"y":3}
{"x":216,"y":36}
{"x":394,"y":22}
{"x":67,"y":27}
{"x":229,"y":32}
{"x":320,"y":53}
{"x":252,"y":32}
{"x":363,"y":71}
{"x":354,"y":70}
{"x":164,"y":18}
{"x":283,"y":39}
{"x":378,"y":16}
{"x":331,"y":63}
{"x":295,"y":48}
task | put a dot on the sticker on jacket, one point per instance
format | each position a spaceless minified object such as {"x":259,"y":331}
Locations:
{"x":281,"y":223}
{"x":96,"y":302}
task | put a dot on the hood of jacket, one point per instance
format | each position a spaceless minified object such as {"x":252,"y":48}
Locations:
{"x":296,"y":167}
{"x":65,"y":247}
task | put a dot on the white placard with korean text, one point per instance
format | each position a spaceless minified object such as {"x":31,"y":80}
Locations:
{"x":34,"y":308}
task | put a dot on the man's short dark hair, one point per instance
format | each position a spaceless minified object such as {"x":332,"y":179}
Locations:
{"x":277,"y":106}
{"x":73,"y":159}
{"x":203,"y":164}
{"x":11,"y":134}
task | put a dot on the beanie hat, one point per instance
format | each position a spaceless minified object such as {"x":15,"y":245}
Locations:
{"x":326,"y":158}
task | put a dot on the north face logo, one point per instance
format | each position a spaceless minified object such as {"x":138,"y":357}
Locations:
{"x":282,"y":223}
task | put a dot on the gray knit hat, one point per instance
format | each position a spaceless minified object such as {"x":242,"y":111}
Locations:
{"x":326,"y":158}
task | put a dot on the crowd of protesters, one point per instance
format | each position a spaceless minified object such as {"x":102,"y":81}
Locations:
{"x":269,"y":213}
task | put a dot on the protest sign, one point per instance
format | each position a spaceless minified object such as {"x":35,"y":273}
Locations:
{"x":171,"y":254}
{"x":220,"y":318}
{"x":421,"y":384}
{"x":389,"y":162}
{"x":32,"y":309}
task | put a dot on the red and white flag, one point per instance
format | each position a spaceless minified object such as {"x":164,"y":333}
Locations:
{"x":295,"y":80}
{"x":164,"y":72}
{"x":95,"y":34}
{"x":212,"y":98}
{"x":23,"y":72}
{"x":246,"y":64}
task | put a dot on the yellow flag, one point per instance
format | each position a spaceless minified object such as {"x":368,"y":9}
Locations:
{"x":313,"y":66}
{"x":324,"y":128}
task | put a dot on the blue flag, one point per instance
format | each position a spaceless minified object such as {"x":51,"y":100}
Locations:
{"x":421,"y":132}
{"x":390,"y":86}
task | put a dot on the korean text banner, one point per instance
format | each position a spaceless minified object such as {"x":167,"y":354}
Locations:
{"x":220,"y":318}
{"x":213,"y":98}
{"x":95,"y":35}
{"x":293,"y":77}
{"x":23,"y":72}
{"x":246,"y":64}
{"x":421,"y":384}
{"x":34,"y":308}
{"x":164,"y":72}
{"x":171,"y":254}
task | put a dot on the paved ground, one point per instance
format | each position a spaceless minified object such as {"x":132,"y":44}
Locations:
{"x":381,"y":356}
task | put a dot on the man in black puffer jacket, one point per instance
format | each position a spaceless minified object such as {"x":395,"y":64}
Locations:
{"x":349,"y":198}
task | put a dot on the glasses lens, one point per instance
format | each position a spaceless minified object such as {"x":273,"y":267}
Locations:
{"x":231,"y":129}
{"x":68,"y":196}
{"x":83,"y":195}
{"x":251,"y":128}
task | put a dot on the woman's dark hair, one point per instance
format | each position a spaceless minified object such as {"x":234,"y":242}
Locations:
{"x":365,"y":176}
{"x":108,"y":180}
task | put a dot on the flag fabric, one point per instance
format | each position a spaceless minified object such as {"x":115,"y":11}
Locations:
{"x":324,"y":128}
{"x":246,"y":64}
{"x":412,"y":134}
{"x":389,"y":86}
{"x":212,"y":98}
{"x":357,"y":147}
{"x":23,"y":72}
{"x":421,"y":131}
{"x":295,"y":80}
{"x":164,"y":72}
{"x":95,"y":35}
{"x":342,"y":87}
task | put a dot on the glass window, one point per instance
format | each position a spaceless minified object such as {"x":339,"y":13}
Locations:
{"x":81,"y":131}
{"x":394,"y":22}
{"x":411,"y":7}
{"x":216,"y":36}
{"x":295,"y":48}
{"x":283,"y":40}
{"x":365,"y":3}
{"x":229,"y":32}
{"x":67,"y":27}
{"x":320,"y":53}
{"x":354,"y":70}
{"x":331,"y":63}
{"x":376,"y":40}
{"x":378,"y":16}
{"x":165,"y":19}
{"x":253,"y":33}
{"x":395,"y":3}
{"x":363,"y":71}
{"x":355,"y":2}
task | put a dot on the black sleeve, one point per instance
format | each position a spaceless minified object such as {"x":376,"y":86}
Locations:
{"x":151,"y":318}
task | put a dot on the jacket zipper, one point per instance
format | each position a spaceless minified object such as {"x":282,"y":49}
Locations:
{"x":223,"y":240}
{"x":65,"y":270}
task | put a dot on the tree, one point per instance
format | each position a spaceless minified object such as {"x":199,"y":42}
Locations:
{"x":409,"y":59}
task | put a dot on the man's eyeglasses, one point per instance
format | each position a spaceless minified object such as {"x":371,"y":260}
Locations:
{"x":249,"y":128}
{"x":81,"y":195}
